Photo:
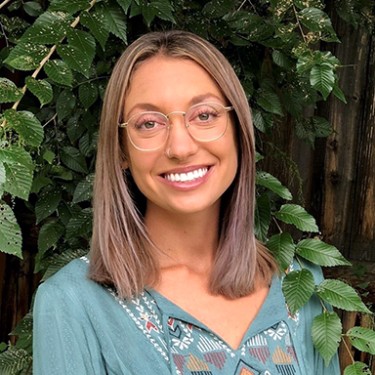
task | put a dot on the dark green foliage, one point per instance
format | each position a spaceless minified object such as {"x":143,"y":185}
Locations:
{"x":65,"y":51}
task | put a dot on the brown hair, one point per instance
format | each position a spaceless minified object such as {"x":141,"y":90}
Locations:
{"x":122,"y":254}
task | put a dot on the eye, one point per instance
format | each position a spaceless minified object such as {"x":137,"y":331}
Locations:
{"x":149,"y":122}
{"x":202,"y":115}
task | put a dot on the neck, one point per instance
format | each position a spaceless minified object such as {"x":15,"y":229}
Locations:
{"x":188,"y":240}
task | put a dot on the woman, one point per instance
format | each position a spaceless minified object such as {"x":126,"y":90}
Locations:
{"x":175,"y":282}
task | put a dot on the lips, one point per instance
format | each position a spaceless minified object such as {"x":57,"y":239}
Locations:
{"x":186,"y":176}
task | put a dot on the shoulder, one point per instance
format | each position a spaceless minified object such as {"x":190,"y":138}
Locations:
{"x":69,"y":283}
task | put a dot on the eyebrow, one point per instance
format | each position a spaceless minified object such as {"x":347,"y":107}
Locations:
{"x":195,"y":100}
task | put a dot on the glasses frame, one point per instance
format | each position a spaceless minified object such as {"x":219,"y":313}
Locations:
{"x":187,"y":125}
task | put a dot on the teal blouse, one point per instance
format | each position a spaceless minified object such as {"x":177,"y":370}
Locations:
{"x":83,"y":328}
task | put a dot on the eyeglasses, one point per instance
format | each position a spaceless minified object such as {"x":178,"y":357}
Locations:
{"x":205,"y":122}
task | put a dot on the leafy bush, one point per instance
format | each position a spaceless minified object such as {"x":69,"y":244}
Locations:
{"x":57,"y":60}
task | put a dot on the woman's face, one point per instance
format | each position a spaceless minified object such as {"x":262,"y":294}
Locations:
{"x":183,"y":176}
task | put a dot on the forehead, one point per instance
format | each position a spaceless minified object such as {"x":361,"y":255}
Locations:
{"x":163,"y":80}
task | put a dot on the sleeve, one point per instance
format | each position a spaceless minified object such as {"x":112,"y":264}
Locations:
{"x":309,"y":312}
{"x":64,"y":341}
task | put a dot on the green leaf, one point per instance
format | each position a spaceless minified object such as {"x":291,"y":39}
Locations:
{"x":83,"y":191}
{"x":270,"y":102}
{"x":49,"y":234}
{"x":10,"y":232}
{"x":163,"y":9}
{"x":57,"y":261}
{"x":357,"y":368}
{"x":318,"y":21}
{"x":296,"y":215}
{"x":322,"y":128}
{"x":69,"y":7}
{"x":262,"y":121}
{"x":47,"y":204}
{"x":341,"y":295}
{"x":93,"y":21}
{"x":58,"y":71}
{"x":124,"y":4}
{"x":114,"y":21}
{"x":262,"y":217}
{"x":272,"y":183}
{"x":19,"y":169}
{"x":41,"y":89}
{"x":14,"y":360}
{"x":65,"y":104}
{"x":49,"y":28}
{"x":80,"y":224}
{"x":217,"y":8}
{"x":26,"y":125}
{"x":322,"y":78}
{"x":326,"y":334}
{"x":23,"y":331}
{"x":282,"y":60}
{"x":79,"y":52}
{"x":298,"y":287}
{"x":26,"y":56}
{"x":88,"y":94}
{"x":9,"y":92}
{"x":339,"y":93}
{"x":32,"y":8}
{"x":362,"y":338}
{"x":283,"y":248}
{"x":319,"y":252}
{"x":73,"y":159}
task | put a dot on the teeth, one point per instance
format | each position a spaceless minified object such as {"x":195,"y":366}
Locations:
{"x":189,"y":176}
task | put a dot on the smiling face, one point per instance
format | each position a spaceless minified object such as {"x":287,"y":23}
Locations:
{"x":184,"y":175}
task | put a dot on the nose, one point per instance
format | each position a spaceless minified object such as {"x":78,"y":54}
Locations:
{"x":180,"y":144}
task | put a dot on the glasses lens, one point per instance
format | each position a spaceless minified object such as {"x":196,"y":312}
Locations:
{"x":207,"y":121}
{"x":148,"y":130}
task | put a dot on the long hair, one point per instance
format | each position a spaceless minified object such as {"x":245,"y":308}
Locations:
{"x":122,"y":254}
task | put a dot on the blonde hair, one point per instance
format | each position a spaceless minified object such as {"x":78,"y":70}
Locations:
{"x":122,"y":254}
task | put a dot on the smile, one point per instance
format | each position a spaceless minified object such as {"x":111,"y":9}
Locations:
{"x":186,"y":177}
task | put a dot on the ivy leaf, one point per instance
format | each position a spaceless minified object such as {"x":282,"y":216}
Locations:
{"x":270,"y":102}
{"x":262,"y":217}
{"x":320,"y":253}
{"x":164,"y":9}
{"x":283,"y":248}
{"x":339,"y":93}
{"x":26,"y":56}
{"x":298,"y":287}
{"x":93,"y":21}
{"x":19,"y":169}
{"x":272,"y":183}
{"x":47,"y":204}
{"x":59,"y":72}
{"x":326,"y":334}
{"x":88,"y":94}
{"x":115,"y":22}
{"x":73,"y":159}
{"x":10,"y":232}
{"x":2,"y":178}
{"x":363,"y":339}
{"x":282,"y":60}
{"x":41,"y":89}
{"x":322,"y":78}
{"x":357,"y":368}
{"x":341,"y":295}
{"x":322,"y":128}
{"x":32,"y":8}
{"x":49,"y":28}
{"x":262,"y":121}
{"x":79,"y":52}
{"x":26,"y":125}
{"x":9,"y":92}
{"x":296,"y":215}
{"x":83,"y":191}
{"x":217,"y":8}
{"x":69,"y":7}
